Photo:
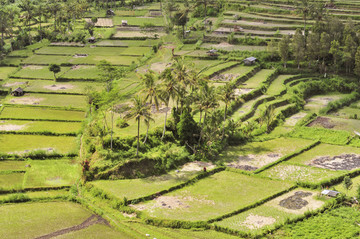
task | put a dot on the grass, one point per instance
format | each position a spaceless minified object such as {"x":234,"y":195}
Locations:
{"x":142,"y":186}
{"x":12,"y":61}
{"x":82,"y":72}
{"x":98,"y":231}
{"x":6,"y":71}
{"x":38,"y":72}
{"x":128,"y":43}
{"x":77,"y":87}
{"x":347,"y":113}
{"x":216,"y":195}
{"x":233,"y":47}
{"x":139,"y":21}
{"x":55,"y":100}
{"x":47,"y":59}
{"x":257,"y":79}
{"x":41,"y":126}
{"x":19,"y":144}
{"x":270,"y":210}
{"x":322,"y":134}
{"x":12,"y":165}
{"x":338,"y":223}
{"x":41,"y":113}
{"x":277,"y":86}
{"x":316,"y":103}
{"x":11,"y":181}
{"x":31,"y":220}
{"x":45,"y":173}
{"x":96,"y":51}
{"x":215,"y":69}
{"x":350,"y":125}
{"x":38,"y":194}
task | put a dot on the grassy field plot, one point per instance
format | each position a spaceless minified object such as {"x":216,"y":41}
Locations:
{"x":217,"y":68}
{"x":12,"y":165}
{"x":41,"y":114}
{"x":246,"y":107}
{"x":201,"y":64}
{"x":127,"y":43}
{"x":95,"y":59}
{"x":37,"y":194}
{"x":11,"y":181}
{"x":76,"y":87}
{"x":338,"y":223}
{"x":347,"y":113}
{"x":294,"y":119}
{"x":47,"y":59}
{"x":38,"y":72}
{"x":82,"y":72}
{"x":350,"y":125}
{"x":257,"y":79}
{"x":51,"y":173}
{"x":316,"y":103}
{"x":140,"y":21}
{"x":20,"y":144}
{"x":12,"y":61}
{"x":230,"y":47}
{"x":40,"y":126}
{"x":31,"y":220}
{"x":277,"y":86}
{"x":216,"y":195}
{"x":273,"y":212}
{"x":134,"y":34}
{"x":258,"y":154}
{"x":55,"y":100}
{"x":96,"y":51}
{"x":6,"y":71}
{"x":143,"y":186}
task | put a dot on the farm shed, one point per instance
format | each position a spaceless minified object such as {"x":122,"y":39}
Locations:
{"x":250,"y":60}
{"x":17,"y":92}
{"x":110,"y":12}
{"x":212,"y":52}
{"x":124,"y":23}
{"x":330,"y":193}
{"x":92,"y":40}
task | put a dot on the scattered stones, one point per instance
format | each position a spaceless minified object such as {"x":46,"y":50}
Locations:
{"x":295,"y":202}
{"x":322,"y":122}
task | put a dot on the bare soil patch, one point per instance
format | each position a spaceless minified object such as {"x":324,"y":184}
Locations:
{"x":32,"y":67}
{"x":59,"y":87}
{"x":224,"y":77}
{"x":80,"y":55}
{"x":339,"y":162}
{"x":255,"y":221}
{"x":11,"y":127}
{"x":291,"y":121}
{"x":322,"y":122}
{"x":13,"y":84}
{"x":252,"y":162}
{"x":238,"y":92}
{"x":77,"y":67}
{"x":197,"y":166}
{"x":296,"y":201}
{"x":26,"y":100}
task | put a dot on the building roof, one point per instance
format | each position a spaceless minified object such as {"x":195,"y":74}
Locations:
{"x":212,"y":51}
{"x":330,"y":193}
{"x":251,"y":58}
{"x":19,"y":89}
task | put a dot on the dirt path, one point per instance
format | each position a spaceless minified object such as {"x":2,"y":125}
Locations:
{"x":94,"y":219}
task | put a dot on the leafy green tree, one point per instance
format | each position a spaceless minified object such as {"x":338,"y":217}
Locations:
{"x":268,"y":117}
{"x":139,"y":111}
{"x":272,"y":48}
{"x":347,"y":183}
{"x":298,"y":47}
{"x":336,"y":53}
{"x":357,"y":62}
{"x":54,"y":68}
{"x":305,"y":9}
{"x":180,"y":19}
{"x":284,"y":49}
{"x":108,"y":73}
{"x":187,"y":129}
{"x":313,"y":46}
{"x":8,"y":18}
{"x":226,"y":95}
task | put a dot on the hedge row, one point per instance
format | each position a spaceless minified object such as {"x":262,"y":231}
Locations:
{"x":47,"y":133}
{"x":337,"y":104}
{"x":44,"y":107}
{"x":287,"y":157}
{"x":7,"y":191}
{"x":53,"y":120}
{"x":39,"y":155}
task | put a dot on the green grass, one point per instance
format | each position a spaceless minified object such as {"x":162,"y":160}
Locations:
{"x":12,"y":165}
{"x":256,"y":80}
{"x":40,"y":126}
{"x":246,"y":107}
{"x":233,"y":47}
{"x":11,"y":181}
{"x":38,"y":194}
{"x":47,"y":59}
{"x":96,"y":51}
{"x":77,"y":87}
{"x":41,"y":113}
{"x":128,"y":43}
{"x":277,"y":86}
{"x":143,"y":186}
{"x":139,"y":21}
{"x":51,"y":173}
{"x":271,"y":210}
{"x":219,"y":67}
{"x":55,"y":100}
{"x":322,"y":134}
{"x":316,"y":103}
{"x":12,"y":61}
{"x":6,"y":71}
{"x":338,"y":223}
{"x":82,"y":72}
{"x":216,"y":195}
{"x":347,"y":113}
{"x":38,"y":72}
{"x":23,"y":143}
{"x":30,"y":220}
{"x":98,"y":231}
{"x":350,"y":125}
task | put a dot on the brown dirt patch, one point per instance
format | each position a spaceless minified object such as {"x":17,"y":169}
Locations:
{"x":224,"y":77}
{"x":80,"y":55}
{"x":132,"y":215}
{"x":296,"y":201}
{"x":252,"y":162}
{"x":26,"y":100}
{"x":13,"y":84}
{"x":77,"y":67}
{"x":255,"y":221}
{"x":32,"y":67}
{"x":11,"y":127}
{"x":196,"y":166}
{"x":322,"y":122}
{"x":238,"y":92}
{"x":59,"y":87}
{"x":339,"y":162}
{"x":291,"y":121}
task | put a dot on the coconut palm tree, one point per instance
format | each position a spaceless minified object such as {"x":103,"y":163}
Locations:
{"x":226,"y":95}
{"x":140,"y":111}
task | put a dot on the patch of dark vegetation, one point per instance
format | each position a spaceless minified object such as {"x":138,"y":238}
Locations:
{"x":339,"y":162}
{"x":296,"y":201}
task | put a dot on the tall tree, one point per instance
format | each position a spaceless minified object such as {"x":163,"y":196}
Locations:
{"x":336,"y":53}
{"x":298,"y":47}
{"x":305,"y":7}
{"x":226,"y":95}
{"x":108,"y":73}
{"x":284,"y":49}
{"x":8,"y":19}
{"x":357,"y":62}
{"x":140,"y":111}
{"x":54,"y":68}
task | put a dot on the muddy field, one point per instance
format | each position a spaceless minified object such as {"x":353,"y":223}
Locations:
{"x":255,"y":221}
{"x":251,"y":162}
{"x":340,"y":162}
{"x":322,"y":122}
{"x":59,"y":87}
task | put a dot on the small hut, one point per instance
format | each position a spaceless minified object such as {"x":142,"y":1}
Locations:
{"x":18,"y":92}
{"x":250,"y":61}
{"x":92,"y":40}
{"x":330,"y":193}
{"x":124,"y":23}
{"x":110,"y":12}
{"x":212,"y":52}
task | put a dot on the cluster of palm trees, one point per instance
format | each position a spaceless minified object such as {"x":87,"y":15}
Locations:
{"x":182,"y":88}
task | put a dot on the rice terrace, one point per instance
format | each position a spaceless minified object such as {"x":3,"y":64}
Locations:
{"x":177,"y":119}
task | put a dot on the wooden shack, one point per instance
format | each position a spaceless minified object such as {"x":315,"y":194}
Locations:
{"x":250,"y":61}
{"x":18,"y":92}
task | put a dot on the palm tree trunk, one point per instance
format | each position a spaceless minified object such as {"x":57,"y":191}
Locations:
{"x":147,"y":133}
{"x":112,"y":129}
{"x":200,"y":117}
{"x":164,"y":126}
{"x":138,"y":139}
{"x":223,"y":133}
{"x":202,"y":128}
{"x":55,"y":76}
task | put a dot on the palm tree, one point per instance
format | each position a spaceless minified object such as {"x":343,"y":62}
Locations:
{"x":139,"y":111}
{"x":168,"y":91}
{"x":151,"y":93}
{"x":226,"y":95}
